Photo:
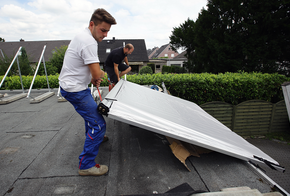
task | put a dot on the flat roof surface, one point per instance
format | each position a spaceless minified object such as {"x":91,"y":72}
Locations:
{"x":40,"y":144}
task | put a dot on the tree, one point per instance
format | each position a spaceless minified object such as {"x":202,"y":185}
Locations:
{"x":50,"y":69}
{"x":241,"y":35}
{"x":183,"y":37}
{"x":54,"y":64}
{"x":4,"y":64}
{"x":24,"y":63}
{"x":2,"y":39}
{"x":57,"y":57}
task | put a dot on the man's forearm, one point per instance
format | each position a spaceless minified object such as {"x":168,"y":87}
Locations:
{"x":96,"y":71}
{"x":101,"y":74}
{"x":126,"y":60}
{"x":117,"y":72}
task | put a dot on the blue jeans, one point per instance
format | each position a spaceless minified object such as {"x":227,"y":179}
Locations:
{"x":95,"y":125}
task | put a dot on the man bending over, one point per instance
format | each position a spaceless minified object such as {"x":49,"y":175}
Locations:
{"x":114,"y":65}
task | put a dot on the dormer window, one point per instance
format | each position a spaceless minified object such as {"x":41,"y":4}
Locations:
{"x":108,"y":50}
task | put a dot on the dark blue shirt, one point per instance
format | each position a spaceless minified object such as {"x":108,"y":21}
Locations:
{"x":116,"y":56}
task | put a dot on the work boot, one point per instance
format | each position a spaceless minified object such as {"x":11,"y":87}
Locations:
{"x":97,"y":170}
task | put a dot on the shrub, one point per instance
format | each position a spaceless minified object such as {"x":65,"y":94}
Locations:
{"x":24,"y":63}
{"x":177,"y":69}
{"x":166,"y":69}
{"x":173,"y":69}
{"x":146,"y":70}
{"x":50,"y":69}
{"x":152,"y":65}
{"x":57,"y":57}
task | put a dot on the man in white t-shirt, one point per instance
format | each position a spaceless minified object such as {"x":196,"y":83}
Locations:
{"x":80,"y":67}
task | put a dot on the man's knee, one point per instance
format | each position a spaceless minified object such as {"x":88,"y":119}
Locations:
{"x":127,"y":70}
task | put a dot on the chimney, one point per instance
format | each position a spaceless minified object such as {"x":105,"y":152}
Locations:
{"x":22,"y":40}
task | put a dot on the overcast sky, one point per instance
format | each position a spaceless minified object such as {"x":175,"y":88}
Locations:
{"x":151,"y":20}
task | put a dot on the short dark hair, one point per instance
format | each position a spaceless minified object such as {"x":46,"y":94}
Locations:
{"x":129,"y":46}
{"x":101,"y":15}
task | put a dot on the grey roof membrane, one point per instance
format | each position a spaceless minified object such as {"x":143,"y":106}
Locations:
{"x":40,"y":144}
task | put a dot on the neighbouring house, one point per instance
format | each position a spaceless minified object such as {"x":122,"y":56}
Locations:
{"x":164,"y":51}
{"x":34,"y":49}
{"x":158,"y":64}
{"x":151,"y":52}
{"x":165,"y":56}
{"x":178,"y":60}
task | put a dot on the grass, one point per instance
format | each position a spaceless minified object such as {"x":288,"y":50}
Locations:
{"x":281,"y":136}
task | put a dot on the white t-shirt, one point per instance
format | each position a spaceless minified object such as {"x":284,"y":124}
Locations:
{"x":75,"y":74}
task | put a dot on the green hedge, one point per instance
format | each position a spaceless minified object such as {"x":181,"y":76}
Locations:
{"x":232,"y":88}
{"x":13,"y":82}
{"x":173,"y":69}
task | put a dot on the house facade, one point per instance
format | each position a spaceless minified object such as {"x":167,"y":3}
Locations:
{"x":34,"y":49}
{"x":157,"y":57}
{"x":151,"y":52}
{"x":164,"y":51}
{"x":178,"y":60}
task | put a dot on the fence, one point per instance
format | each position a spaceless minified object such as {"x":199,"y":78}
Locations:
{"x":254,"y":117}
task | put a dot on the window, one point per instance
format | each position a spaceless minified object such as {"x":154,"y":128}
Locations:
{"x":157,"y":66}
{"x":172,"y":55}
{"x":108,"y":50}
{"x":166,"y":55}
